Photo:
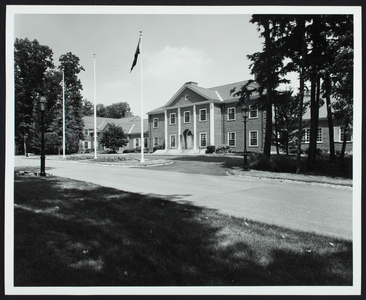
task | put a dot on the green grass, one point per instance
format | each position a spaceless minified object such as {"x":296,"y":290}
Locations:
{"x":73,"y":233}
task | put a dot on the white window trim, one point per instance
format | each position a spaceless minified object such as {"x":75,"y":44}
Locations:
{"x":199,"y":114}
{"x":156,"y":123}
{"x":253,"y":110}
{"x":189,"y":116}
{"x":228,"y":139}
{"x":321,"y":135}
{"x":170,"y":119}
{"x":339,"y":135}
{"x":202,"y":133}
{"x":250,"y":138}
{"x":228,"y":114}
{"x":306,"y":136}
{"x":157,"y":144}
{"x":135,"y":142}
{"x":170,"y":140}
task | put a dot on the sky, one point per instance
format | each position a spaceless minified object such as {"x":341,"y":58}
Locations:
{"x":207,"y":45}
{"x":208,"y":49}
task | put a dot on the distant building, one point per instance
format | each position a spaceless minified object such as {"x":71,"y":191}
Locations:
{"x":323,"y":132}
{"x":130,"y":125}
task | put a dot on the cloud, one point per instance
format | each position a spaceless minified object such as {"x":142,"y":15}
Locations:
{"x":176,"y":64}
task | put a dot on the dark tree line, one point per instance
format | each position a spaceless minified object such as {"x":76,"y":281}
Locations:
{"x":116,"y":110}
{"x":320,"y":49}
{"x":36,"y":75}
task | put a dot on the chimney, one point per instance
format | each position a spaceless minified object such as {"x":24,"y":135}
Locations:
{"x":191,"y":83}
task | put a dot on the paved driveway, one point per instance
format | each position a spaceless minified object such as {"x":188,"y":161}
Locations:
{"x":307,"y":207}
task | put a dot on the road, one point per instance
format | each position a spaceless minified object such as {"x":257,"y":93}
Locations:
{"x":317,"y":208}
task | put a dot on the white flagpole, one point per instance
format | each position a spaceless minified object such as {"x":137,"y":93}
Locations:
{"x":142,"y":108}
{"x":63,"y":115}
{"x":95,"y":114}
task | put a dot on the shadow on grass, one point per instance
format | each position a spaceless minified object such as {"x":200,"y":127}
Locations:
{"x":73,"y":233}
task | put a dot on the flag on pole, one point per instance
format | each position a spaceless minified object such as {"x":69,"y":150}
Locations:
{"x":136,"y":55}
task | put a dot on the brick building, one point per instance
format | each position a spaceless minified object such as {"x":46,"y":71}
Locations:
{"x":197,"y":117}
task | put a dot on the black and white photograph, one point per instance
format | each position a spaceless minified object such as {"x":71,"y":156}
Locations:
{"x":183,"y":150}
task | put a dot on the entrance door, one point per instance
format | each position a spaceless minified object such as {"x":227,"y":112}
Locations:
{"x":187,"y":139}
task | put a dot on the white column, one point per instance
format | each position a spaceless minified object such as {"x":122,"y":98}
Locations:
{"x":212,"y":124}
{"x":179,"y":130}
{"x":166,"y":129}
{"x":194,"y":128}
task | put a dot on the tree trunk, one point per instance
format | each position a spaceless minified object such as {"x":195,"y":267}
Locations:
{"x":314,"y":112}
{"x":332,"y":156}
{"x":268,"y":134}
{"x":276,"y":130}
{"x":344,"y":139}
{"x":302,"y":88}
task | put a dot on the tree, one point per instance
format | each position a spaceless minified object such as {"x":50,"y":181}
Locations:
{"x":287,"y":119}
{"x":113,"y":137}
{"x":87,"y":108}
{"x":69,"y":64}
{"x":102,"y":111}
{"x":118,"y":110}
{"x":31,"y":61}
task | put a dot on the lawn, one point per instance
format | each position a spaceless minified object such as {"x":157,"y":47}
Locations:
{"x":73,"y":233}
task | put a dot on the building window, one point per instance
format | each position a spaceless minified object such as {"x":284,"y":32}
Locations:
{"x":172,"y":119}
{"x":203,"y":115}
{"x":155,"y":123}
{"x":306,"y":136}
{"x":187,"y":117}
{"x":339,"y":135}
{"x":232,"y":139}
{"x":253,"y":138}
{"x":172,"y":141}
{"x":319,"y":136}
{"x":253,"y":111}
{"x":86,"y":145}
{"x":203,"y":139}
{"x":136,"y":142}
{"x":86,"y":131}
{"x":145,"y":142}
{"x":231,"y":111}
{"x":156,"y":141}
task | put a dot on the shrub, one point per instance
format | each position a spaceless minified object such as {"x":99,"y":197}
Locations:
{"x":259,"y":161}
{"x":283,"y":163}
{"x":210,"y":149}
{"x":160,"y":147}
{"x":279,"y":163}
{"x":223,"y":149}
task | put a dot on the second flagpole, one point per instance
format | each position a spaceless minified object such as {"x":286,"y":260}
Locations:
{"x":142,"y":108}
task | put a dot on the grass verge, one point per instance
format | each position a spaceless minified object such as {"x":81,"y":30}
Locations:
{"x":73,"y":233}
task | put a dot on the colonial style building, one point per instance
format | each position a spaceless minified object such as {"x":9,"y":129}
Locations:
{"x":196,"y":117}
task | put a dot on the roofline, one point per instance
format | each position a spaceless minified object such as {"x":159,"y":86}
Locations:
{"x":180,"y":90}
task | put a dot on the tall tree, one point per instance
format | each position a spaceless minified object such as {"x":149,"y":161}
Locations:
{"x":69,"y":64}
{"x":31,"y":61}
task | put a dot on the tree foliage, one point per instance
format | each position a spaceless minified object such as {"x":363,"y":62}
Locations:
{"x":116,"y":110}
{"x":35,"y":76}
{"x":113,"y":137}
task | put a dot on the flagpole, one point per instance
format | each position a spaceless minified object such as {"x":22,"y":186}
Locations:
{"x":95,"y":113}
{"x":63,"y":114}
{"x":142,"y":108}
